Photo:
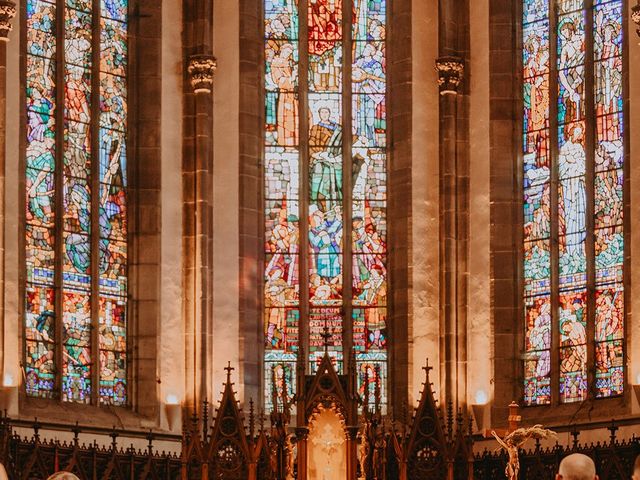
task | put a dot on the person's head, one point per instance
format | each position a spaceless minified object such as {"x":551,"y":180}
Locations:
{"x":63,"y":476}
{"x":324,"y":113}
{"x":636,"y":469}
{"x":577,"y":467}
{"x":568,"y":29}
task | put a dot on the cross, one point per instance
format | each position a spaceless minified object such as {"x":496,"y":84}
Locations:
{"x":427,"y":368}
{"x":229,"y":369}
{"x":326,"y":336}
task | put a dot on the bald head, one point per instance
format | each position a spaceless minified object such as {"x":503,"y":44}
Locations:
{"x":577,"y":467}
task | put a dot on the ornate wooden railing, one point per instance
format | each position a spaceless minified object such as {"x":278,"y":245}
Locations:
{"x":34,"y":458}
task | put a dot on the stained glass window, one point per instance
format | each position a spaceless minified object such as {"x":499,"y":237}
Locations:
{"x":325,"y":191}
{"x":76,"y":201}
{"x":573,"y":151}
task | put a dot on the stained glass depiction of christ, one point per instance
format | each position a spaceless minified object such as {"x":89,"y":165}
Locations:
{"x":65,"y":226}
{"x":587,"y":69}
{"x":312,"y":265}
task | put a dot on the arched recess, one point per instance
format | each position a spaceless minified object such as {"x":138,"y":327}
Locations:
{"x":144,"y":236}
{"x":506,"y":237}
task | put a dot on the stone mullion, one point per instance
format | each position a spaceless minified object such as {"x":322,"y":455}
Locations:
{"x":58,"y":197}
{"x":7,"y":13}
{"x":347,"y":184}
{"x":304,"y":260}
{"x":554,"y":205}
{"x":94,"y":181}
{"x":590,"y":142}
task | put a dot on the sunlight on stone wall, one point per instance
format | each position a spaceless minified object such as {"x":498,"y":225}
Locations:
{"x":424,"y":342}
{"x":12,"y":195}
{"x":172,"y":328}
{"x":226,"y":199}
{"x":479,"y":349}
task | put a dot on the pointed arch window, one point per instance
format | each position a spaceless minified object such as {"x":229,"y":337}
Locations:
{"x":325,"y":153}
{"x":574,"y":192}
{"x":75,"y":229}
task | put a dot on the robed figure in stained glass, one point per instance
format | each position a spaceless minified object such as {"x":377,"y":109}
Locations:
{"x":369,"y":79}
{"x":572,"y":169}
{"x":325,"y":238}
{"x":284,"y":74}
{"x":536,"y":92}
{"x":571,"y":79}
{"x":608,"y":78}
{"x":325,"y":140}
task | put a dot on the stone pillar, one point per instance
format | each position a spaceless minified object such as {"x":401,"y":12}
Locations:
{"x":198,"y":200}
{"x":454,"y":200}
{"x":7,"y":12}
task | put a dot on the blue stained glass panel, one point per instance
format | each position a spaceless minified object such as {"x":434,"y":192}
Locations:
{"x":115,"y":9}
{"x":534,"y":10}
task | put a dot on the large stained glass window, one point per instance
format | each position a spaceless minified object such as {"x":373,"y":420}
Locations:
{"x":325,"y":189}
{"x":75,"y":189}
{"x":574,"y":200}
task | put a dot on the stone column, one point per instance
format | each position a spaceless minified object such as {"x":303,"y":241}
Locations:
{"x":454,"y":200}
{"x":198,"y":171}
{"x":7,"y":12}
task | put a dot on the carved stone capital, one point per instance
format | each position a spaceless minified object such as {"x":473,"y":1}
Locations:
{"x":635,"y":16}
{"x":450,"y":74}
{"x":201,"y":71}
{"x":7,"y":12}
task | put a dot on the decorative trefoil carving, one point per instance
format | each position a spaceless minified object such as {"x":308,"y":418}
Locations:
{"x":7,"y":12}
{"x":450,"y":74}
{"x":201,"y":71}
{"x":635,"y":16}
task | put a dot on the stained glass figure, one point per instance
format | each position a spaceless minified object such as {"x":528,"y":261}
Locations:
{"x":573,"y":165}
{"x":61,"y":186}
{"x":332,"y":241}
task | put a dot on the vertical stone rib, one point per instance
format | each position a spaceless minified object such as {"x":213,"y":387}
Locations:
{"x":7,"y":12}
{"x":454,"y":195}
{"x":198,"y":195}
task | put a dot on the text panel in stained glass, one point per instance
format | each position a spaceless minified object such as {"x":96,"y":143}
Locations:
{"x":83,"y":174}
{"x":579,"y":90}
